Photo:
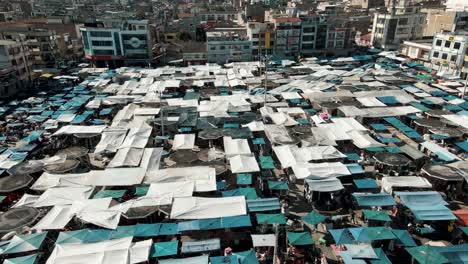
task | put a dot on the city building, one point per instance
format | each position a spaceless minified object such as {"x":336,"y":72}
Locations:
{"x":449,"y":52}
{"x":460,"y":22}
{"x":227,"y":46}
{"x":288,"y":37}
{"x":15,"y":67}
{"x":310,"y":25}
{"x":418,"y":50}
{"x":438,"y":20}
{"x":390,"y":29}
{"x":262,"y":36}
{"x":41,"y":42}
{"x":116,"y":43}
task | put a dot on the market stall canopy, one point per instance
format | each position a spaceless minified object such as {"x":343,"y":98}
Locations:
{"x":388,"y":183}
{"x":16,"y":218}
{"x":203,"y":208}
{"x":14,"y":182}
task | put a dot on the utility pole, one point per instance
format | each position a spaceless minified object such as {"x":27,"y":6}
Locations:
{"x":266,"y":80}
{"x":464,"y":88}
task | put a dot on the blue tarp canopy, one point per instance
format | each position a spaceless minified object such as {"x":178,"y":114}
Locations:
{"x":278,"y":185}
{"x":455,"y":254}
{"x":25,"y":243}
{"x":271,"y":219}
{"x":33,"y":136}
{"x":374,"y":199}
{"x":341,"y":236}
{"x":427,"y":205}
{"x":260,"y":205}
{"x":403,"y":238}
{"x":355,"y":168}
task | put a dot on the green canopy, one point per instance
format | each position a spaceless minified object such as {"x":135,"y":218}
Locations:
{"x":314,"y":218}
{"x":278,"y":185}
{"x":244,"y":178}
{"x":162,"y":249}
{"x":116,"y":194}
{"x":271,"y":219}
{"x":376,"y":215}
{"x":300,"y":238}
{"x":247,"y":257}
{"x":25,"y":243}
{"x":426,"y":255}
{"x":30,"y":259}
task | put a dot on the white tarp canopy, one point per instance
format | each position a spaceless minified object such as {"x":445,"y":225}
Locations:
{"x":151,"y":159}
{"x":147,"y":111}
{"x":200,"y":246}
{"x":111,"y":139}
{"x":168,"y":190}
{"x":332,"y":132}
{"x":192,"y":260}
{"x":325,"y":185}
{"x":370,"y":101}
{"x":255,"y":126}
{"x":404,"y":181}
{"x":268,"y":240}
{"x":204,"y":208}
{"x":115,"y":251}
{"x":63,"y":196}
{"x":353,"y":111}
{"x":278,"y":134}
{"x":57,"y":218}
{"x":137,"y":137}
{"x":461,"y":120}
{"x":27,"y":200}
{"x":290,"y":155}
{"x":363,"y":140}
{"x":107,"y":177}
{"x":291,"y":95}
{"x":183,"y":141}
{"x":234,"y":147}
{"x":66,"y":118}
{"x":126,"y":157}
{"x":347,"y":124}
{"x":203,"y":177}
{"x":243,"y":164}
{"x":76,"y":130}
{"x":436,"y":149}
{"x":320,"y":170}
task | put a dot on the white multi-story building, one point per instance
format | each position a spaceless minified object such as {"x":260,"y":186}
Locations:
{"x":449,"y":52}
{"x":15,"y":67}
{"x":116,"y":44}
{"x":225,"y":46}
{"x":262,"y":36}
{"x":391,"y":29}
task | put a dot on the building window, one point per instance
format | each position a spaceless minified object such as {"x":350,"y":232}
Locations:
{"x":222,"y":47}
{"x":309,"y":30}
{"x":435,"y":54}
{"x":456,"y":45}
{"x":447,"y":44}
{"x":213,"y":48}
{"x":255,"y":36}
{"x":444,"y":56}
{"x":98,"y":43}
{"x":403,"y":21}
{"x":308,"y":38}
{"x":103,"y":52}
{"x":453,"y":58}
{"x":246,"y":47}
{"x":100,"y":34}
{"x":438,"y":42}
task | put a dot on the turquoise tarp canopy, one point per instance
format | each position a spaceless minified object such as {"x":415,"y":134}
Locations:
{"x":374,"y":199}
{"x":162,"y":249}
{"x":278,"y":185}
{"x":353,"y":156}
{"x":265,"y":204}
{"x":426,"y":255}
{"x":454,"y":253}
{"x":376,"y":215}
{"x":403,"y":238}
{"x":123,"y":231}
{"x":271,"y":219}
{"x":300,"y":238}
{"x":168,"y":229}
{"x":25,"y":243}
{"x":366,"y":184}
{"x":116,"y":194}
{"x":247,"y":257}
{"x":232,"y":259}
{"x":249,"y":193}
{"x":314,"y":218}
{"x":75,"y":236}
{"x":141,"y":190}
{"x":244,"y":178}
{"x":383,"y":259}
{"x":367,"y":234}
{"x":30,"y":259}
{"x":147,"y":230}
